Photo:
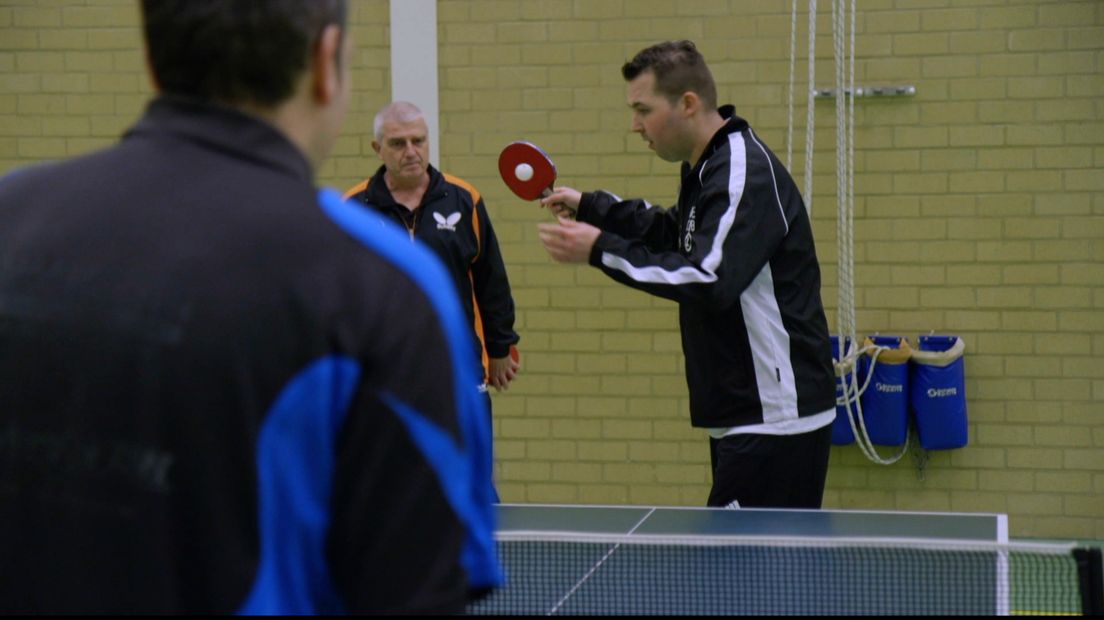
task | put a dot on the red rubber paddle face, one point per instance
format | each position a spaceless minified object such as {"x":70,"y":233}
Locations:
{"x":543,"y":170}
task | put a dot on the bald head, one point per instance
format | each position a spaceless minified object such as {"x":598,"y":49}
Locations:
{"x":398,"y":112}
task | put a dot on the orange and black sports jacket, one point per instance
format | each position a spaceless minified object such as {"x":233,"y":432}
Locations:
{"x":452,"y":220}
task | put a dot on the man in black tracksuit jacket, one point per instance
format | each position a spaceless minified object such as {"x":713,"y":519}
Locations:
{"x":737,"y":254}
{"x":447,"y":214}
{"x":214,"y":394}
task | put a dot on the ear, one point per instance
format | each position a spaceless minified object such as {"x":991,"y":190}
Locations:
{"x":690,"y":103}
{"x":325,"y":71}
{"x":154,"y":82}
{"x":376,"y":146}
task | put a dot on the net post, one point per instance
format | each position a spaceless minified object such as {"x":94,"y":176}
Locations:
{"x":1091,"y":576}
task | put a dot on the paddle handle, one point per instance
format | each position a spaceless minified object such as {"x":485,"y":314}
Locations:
{"x":568,"y":211}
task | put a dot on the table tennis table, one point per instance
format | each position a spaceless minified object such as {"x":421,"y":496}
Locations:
{"x":564,"y":559}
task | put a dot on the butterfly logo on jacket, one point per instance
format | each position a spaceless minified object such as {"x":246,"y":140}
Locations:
{"x":448,"y":223}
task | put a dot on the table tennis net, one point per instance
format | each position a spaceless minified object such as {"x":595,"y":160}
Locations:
{"x":585,"y":574}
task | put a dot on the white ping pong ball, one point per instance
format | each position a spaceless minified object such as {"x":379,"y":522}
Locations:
{"x":523,"y":172}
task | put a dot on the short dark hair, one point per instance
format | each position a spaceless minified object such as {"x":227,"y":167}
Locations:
{"x":678,"y":67}
{"x":234,"y":51}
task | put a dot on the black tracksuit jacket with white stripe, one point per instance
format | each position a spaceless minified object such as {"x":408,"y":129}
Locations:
{"x":737,"y":255}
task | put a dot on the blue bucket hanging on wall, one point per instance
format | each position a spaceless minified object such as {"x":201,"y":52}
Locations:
{"x":841,"y":427}
{"x":938,"y":392}
{"x":885,"y":402}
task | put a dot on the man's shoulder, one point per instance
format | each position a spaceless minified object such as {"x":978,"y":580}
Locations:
{"x":356,"y":190}
{"x":464,"y":186}
{"x":369,"y":188}
{"x":63,"y":181}
{"x":77,"y":169}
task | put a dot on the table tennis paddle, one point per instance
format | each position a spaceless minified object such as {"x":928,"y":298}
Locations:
{"x":528,"y":171}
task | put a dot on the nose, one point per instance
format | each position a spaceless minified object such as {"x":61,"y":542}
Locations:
{"x":636,"y":125}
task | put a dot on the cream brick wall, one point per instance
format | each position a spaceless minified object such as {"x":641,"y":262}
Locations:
{"x":979,"y":212}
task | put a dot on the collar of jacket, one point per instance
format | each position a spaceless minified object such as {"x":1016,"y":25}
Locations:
{"x":379,"y":194}
{"x":223,"y":128}
{"x":732,"y":124}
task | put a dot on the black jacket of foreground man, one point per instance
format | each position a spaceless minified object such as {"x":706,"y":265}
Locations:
{"x":213,"y":393}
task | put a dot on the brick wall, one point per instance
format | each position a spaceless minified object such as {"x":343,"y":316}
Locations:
{"x":979,"y":212}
